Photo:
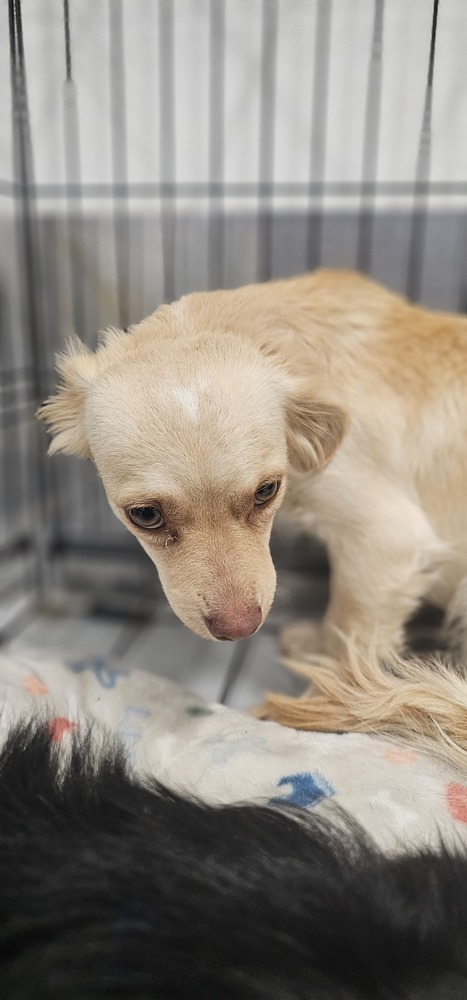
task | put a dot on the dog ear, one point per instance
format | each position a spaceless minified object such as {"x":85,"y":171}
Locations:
{"x":64,"y":413}
{"x":314,"y":431}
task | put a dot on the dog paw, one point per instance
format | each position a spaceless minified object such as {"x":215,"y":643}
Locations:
{"x":301,"y":639}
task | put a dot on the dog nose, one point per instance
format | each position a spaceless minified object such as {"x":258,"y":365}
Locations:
{"x":239,"y":621}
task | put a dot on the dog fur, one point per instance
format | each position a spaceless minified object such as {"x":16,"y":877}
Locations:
{"x":350,"y":398}
{"x":113,"y":887}
{"x":421,"y":702}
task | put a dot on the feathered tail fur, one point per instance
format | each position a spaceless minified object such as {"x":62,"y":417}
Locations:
{"x":422,"y":702}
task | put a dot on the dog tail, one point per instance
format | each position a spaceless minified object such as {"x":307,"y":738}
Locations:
{"x":421,"y":702}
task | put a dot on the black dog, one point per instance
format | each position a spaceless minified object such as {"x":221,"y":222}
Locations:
{"x":110,"y":888}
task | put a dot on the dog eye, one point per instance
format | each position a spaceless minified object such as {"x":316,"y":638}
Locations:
{"x":146,"y":517}
{"x":266,"y":492}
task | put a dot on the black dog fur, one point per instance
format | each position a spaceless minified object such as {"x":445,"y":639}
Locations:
{"x":112,"y":888}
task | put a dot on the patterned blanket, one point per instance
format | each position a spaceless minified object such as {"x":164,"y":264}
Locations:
{"x":401,"y":797}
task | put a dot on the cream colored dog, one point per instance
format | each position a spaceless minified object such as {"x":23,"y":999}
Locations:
{"x":326,"y":394}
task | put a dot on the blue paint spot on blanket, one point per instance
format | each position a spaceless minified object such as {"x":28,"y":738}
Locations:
{"x":307,"y":789}
{"x":225,"y":747}
{"x":106,"y":675}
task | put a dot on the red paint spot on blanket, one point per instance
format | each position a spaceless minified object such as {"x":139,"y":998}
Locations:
{"x":34,"y":685}
{"x":456,"y":796}
{"x":59,"y":726}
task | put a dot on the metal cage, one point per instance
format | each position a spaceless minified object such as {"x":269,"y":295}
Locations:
{"x":155,"y":147}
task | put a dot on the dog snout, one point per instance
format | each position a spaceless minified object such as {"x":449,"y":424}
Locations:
{"x":235,"y":622}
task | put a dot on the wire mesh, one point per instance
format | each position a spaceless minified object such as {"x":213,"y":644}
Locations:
{"x":154,"y":148}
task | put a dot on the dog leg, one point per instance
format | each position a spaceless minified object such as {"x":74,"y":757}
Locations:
{"x":374,"y":592}
{"x":377,"y":583}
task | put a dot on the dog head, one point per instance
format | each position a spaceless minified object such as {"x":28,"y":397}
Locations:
{"x":192,"y":437}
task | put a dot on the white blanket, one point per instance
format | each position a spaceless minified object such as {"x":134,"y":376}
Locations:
{"x":401,"y":797}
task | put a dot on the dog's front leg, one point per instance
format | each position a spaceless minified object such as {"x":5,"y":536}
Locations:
{"x":384,"y":556}
{"x":378,"y":583}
